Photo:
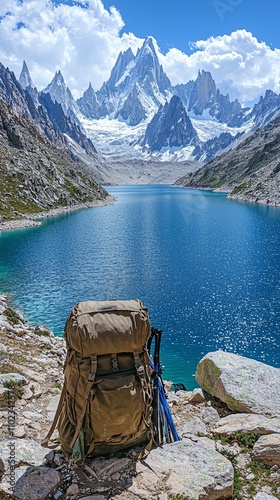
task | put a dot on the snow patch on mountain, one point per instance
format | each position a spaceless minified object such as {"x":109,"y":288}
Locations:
{"x":118,"y":141}
{"x":209,"y":129}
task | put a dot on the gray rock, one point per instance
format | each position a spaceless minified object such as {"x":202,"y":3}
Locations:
{"x":197,"y":397}
{"x":5,"y":483}
{"x":264,"y":496}
{"x":73,"y":490}
{"x":37,"y":483}
{"x":194,"y":425}
{"x":209,"y":415}
{"x":27,"y":393}
{"x":43,"y":330}
{"x":191,"y":468}
{"x":32,"y":415}
{"x":19,"y":431}
{"x":247,"y":423}
{"x":15,"y":378}
{"x":243,"y":384}
{"x":267,"y":449}
{"x":25,"y":452}
{"x":52,"y":406}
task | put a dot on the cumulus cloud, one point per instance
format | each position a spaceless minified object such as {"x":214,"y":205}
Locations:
{"x":83,"y":40}
{"x":239,"y":63}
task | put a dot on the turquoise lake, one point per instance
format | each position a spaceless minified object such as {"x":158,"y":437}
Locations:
{"x":206,"y":267}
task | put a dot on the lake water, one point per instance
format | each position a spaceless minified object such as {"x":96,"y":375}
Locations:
{"x":206,"y":267}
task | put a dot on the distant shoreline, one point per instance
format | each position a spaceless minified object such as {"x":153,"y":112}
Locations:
{"x":30,"y":220}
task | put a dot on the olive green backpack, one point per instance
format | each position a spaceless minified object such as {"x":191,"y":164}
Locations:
{"x":106,"y":400}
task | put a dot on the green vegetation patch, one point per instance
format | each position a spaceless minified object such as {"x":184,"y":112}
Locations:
{"x":12,"y":317}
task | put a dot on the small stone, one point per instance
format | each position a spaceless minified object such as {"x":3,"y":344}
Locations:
{"x":58,"y":459}
{"x":197,"y":397}
{"x":58,"y":495}
{"x":19,"y":432}
{"x":27,"y":393}
{"x":250,"y":476}
{"x":73,"y":490}
{"x":55,"y":390}
{"x":42,"y":330}
{"x":209,"y":415}
{"x":60,"y":352}
{"x":50,"y":456}
{"x":37,"y":483}
{"x":32,"y":415}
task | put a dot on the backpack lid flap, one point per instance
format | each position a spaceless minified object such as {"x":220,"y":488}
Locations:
{"x":107,"y":327}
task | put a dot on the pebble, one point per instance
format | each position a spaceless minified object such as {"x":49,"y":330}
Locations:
{"x":73,"y":490}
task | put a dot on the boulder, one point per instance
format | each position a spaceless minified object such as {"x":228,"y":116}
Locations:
{"x":243,"y":384}
{"x":259,"y":424}
{"x":267,"y":449}
{"x":37,"y":483}
{"x":191,"y":468}
{"x":24,"y":452}
{"x":12,"y":378}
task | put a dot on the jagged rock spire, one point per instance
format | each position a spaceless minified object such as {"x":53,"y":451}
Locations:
{"x":25,"y":78}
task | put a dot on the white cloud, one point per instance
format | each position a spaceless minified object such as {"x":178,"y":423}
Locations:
{"x":239,"y":63}
{"x":83,"y":41}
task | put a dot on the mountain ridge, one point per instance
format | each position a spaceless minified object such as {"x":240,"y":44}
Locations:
{"x":249,"y":172}
{"x":37,"y":175}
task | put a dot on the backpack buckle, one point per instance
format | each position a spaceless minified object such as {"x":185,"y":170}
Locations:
{"x":93,"y":369}
{"x":114,"y":362}
{"x":91,"y":377}
{"x":140,"y":370}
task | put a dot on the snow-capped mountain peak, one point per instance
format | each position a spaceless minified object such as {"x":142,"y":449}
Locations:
{"x":136,"y":87}
{"x":60,"y":93}
{"x":25,"y":78}
{"x":120,"y":68}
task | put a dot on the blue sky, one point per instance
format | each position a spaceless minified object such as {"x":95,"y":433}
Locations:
{"x":176,"y":23}
{"x":238,"y":41}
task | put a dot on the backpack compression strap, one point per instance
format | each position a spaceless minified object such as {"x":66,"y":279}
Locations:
{"x":90,"y":380}
{"x":46,"y":441}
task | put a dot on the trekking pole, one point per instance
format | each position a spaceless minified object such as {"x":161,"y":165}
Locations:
{"x":165,"y":429}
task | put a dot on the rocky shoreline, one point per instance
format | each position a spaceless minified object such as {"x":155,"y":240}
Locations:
{"x":30,"y":220}
{"x":230,"y":429}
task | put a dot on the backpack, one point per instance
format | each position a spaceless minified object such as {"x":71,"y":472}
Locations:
{"x":106,"y":400}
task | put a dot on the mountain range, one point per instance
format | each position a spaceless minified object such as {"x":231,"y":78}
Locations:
{"x":249,"y":171}
{"x":40,"y":164}
{"x":138,"y":118}
{"x":131,"y":101}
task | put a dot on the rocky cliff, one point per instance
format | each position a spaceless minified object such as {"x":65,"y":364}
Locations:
{"x":250,"y":171}
{"x":202,"y":97}
{"x":170,"y":127}
{"x":37,"y":175}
